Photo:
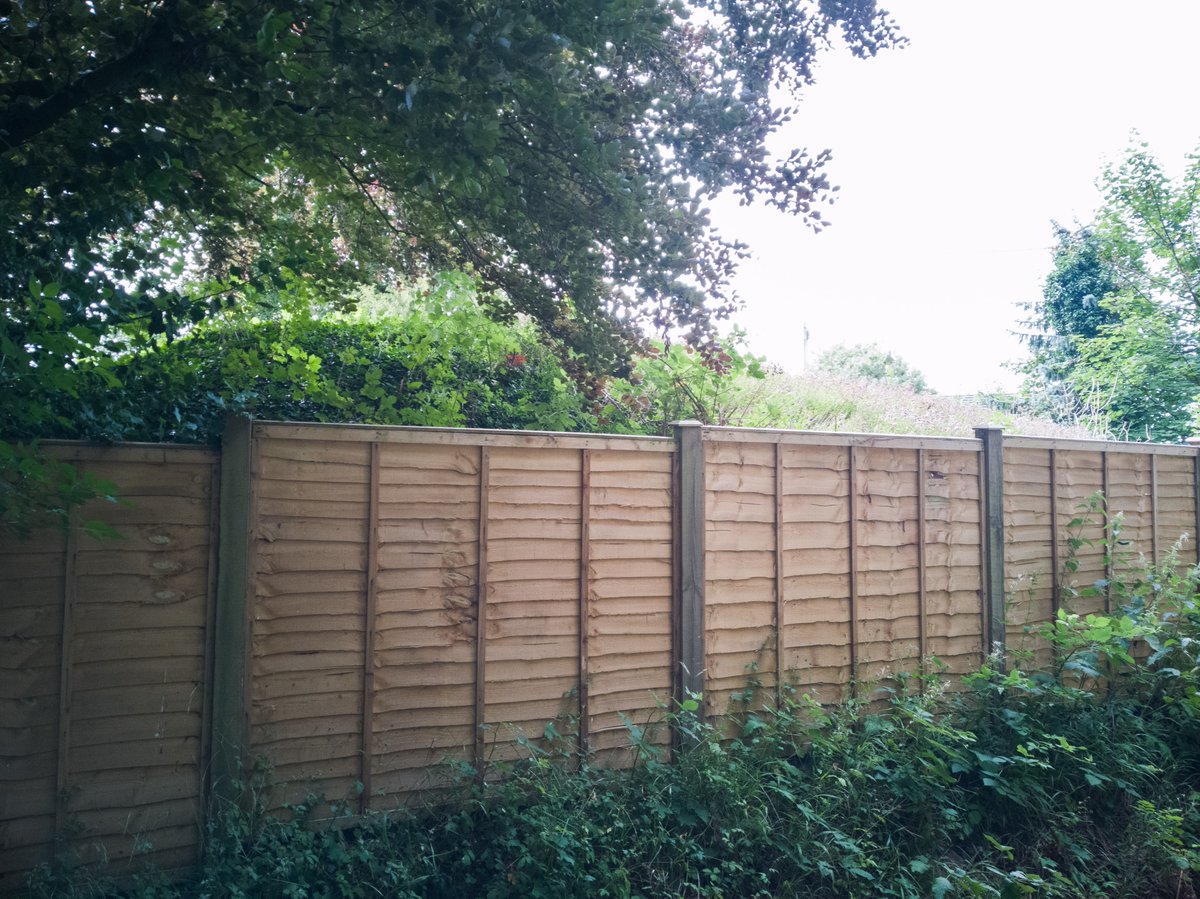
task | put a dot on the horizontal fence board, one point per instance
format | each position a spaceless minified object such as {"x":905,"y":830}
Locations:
{"x":607,"y":550}
{"x":278,"y":454}
{"x":312,"y":663}
{"x":428,"y":675}
{"x":90,"y":704}
{"x":318,"y":499}
{"x":1075,"y":445}
{"x":400,"y":745}
{"x":610,"y":466}
{"x":531,"y":551}
{"x":331,"y":476}
{"x":454,"y":660}
{"x":134,"y":754}
{"x":338,"y":721}
{"x":842,"y":439}
{"x":439,"y":720}
{"x":307,"y":705}
{"x":132,"y":807}
{"x":22,"y":802}
{"x":131,"y":730}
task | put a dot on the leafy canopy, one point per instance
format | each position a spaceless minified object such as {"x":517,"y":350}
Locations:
{"x":1118,"y":329}
{"x":674,"y":382}
{"x":1071,"y":309}
{"x":426,"y":357}
{"x":871,"y":363}
{"x":160,"y":160}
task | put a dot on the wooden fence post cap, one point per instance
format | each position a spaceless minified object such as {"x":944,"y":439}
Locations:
{"x":687,"y":423}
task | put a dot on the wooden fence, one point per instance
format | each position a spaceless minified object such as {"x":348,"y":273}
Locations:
{"x":414,"y":596}
{"x":104,"y":658}
{"x":1151,"y":499}
{"x":848,"y":557}
{"x":360,"y":604}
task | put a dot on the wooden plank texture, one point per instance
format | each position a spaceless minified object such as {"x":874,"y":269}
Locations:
{"x":318,"y":542}
{"x":392,"y":598}
{"x":102,"y":668}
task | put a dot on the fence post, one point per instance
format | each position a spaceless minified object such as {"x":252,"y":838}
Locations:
{"x":992,"y":485}
{"x":229,"y":631}
{"x":689,"y":438}
{"x":1196,"y":498}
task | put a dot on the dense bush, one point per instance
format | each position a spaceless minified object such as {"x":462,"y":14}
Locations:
{"x":438,"y":361}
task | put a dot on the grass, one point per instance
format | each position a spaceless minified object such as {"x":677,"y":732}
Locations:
{"x":821,"y":402}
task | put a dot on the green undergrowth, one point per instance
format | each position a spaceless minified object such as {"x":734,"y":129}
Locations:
{"x":1081,"y":782}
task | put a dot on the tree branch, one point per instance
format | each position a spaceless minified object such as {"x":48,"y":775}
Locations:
{"x":365,"y":191}
{"x":156,"y":48}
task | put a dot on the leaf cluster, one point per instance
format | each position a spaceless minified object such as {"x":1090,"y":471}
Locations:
{"x":160,"y":162}
{"x":435,"y":359}
{"x":1118,"y":329}
{"x":674,"y":382}
{"x":38,"y":492}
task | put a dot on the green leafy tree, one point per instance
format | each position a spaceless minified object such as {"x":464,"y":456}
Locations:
{"x":1119,"y":327}
{"x":1142,"y":370}
{"x":160,"y":159}
{"x":870,"y":362}
{"x":163,"y":161}
{"x":1150,"y":225}
{"x":673,"y":382}
{"x":1071,"y":308}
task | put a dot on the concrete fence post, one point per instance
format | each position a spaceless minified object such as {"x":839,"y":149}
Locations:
{"x":230,"y":636}
{"x":689,"y":437}
{"x":992,"y":489}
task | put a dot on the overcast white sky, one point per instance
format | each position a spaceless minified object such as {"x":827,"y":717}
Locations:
{"x":953,"y":156}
